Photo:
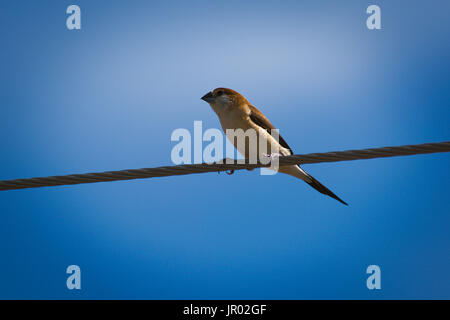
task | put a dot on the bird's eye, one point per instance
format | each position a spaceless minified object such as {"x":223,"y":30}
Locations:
{"x":219,"y":93}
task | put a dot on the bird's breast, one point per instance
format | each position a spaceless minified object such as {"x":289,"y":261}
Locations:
{"x":234,"y":122}
{"x":242,"y":140}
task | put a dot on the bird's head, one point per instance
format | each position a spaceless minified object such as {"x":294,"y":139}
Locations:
{"x":221,"y":99}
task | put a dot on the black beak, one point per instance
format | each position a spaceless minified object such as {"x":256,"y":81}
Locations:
{"x":208,"y":97}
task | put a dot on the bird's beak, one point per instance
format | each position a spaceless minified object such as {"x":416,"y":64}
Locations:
{"x":208,"y":97}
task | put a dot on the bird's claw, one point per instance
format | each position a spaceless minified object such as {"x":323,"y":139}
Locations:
{"x":228,"y":172}
{"x":226,"y":161}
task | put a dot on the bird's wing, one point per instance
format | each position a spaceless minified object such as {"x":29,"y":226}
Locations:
{"x":261,"y":120}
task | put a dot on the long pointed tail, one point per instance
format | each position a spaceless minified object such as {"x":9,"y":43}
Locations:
{"x":298,"y":172}
{"x":322,"y":189}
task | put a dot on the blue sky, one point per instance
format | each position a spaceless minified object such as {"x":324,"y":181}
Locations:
{"x":108,"y":97}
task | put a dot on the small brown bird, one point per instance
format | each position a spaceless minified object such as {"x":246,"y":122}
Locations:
{"x":235,"y":112}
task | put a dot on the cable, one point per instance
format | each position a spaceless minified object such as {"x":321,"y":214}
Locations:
{"x":218,"y":167}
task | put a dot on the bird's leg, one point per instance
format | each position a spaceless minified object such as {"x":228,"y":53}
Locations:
{"x":226,"y":161}
{"x":272,"y":155}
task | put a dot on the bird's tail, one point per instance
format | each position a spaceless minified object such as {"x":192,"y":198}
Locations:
{"x":298,"y":172}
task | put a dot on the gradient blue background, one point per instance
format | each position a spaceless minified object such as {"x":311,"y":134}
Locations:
{"x":109,"y":96}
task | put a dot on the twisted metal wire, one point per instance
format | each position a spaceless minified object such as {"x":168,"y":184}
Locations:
{"x":335,"y":156}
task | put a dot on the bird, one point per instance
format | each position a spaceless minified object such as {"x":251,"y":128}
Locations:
{"x":236,"y":112}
